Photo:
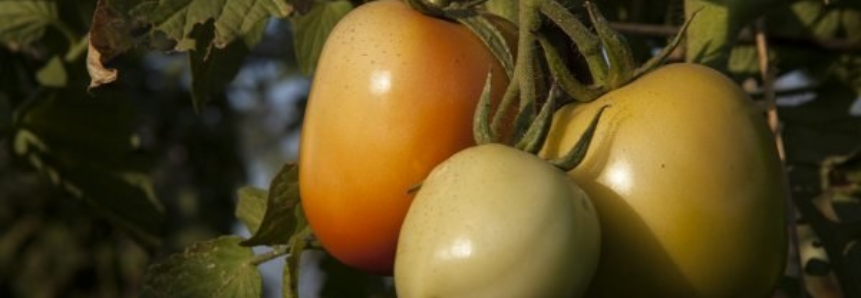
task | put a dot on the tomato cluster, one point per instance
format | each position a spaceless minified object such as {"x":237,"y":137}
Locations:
{"x":680,"y":194}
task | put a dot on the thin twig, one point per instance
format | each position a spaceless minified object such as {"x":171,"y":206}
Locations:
{"x":767,"y":72}
{"x":830,"y":44}
{"x":765,"y":69}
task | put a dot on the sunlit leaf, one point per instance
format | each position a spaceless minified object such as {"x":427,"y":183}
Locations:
{"x":215,"y":268}
{"x":251,"y":207}
{"x":232,"y":18}
{"x":312,"y":29}
{"x":53,"y":74}
{"x":716,"y":27}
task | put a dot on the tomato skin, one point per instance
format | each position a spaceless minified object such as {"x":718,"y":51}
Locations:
{"x":393,"y":95}
{"x":688,"y":185}
{"x":496,"y":222}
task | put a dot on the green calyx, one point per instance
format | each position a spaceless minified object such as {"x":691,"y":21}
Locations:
{"x":537,"y":64}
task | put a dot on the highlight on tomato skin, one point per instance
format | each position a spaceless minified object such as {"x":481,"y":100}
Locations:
{"x":393,"y":95}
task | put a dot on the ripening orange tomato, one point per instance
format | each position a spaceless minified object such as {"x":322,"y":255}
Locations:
{"x":393,"y":96}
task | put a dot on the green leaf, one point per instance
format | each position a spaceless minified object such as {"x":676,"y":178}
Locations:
{"x":312,"y":30}
{"x":804,"y":24}
{"x":744,"y":61}
{"x":85,"y":146}
{"x":251,"y":207}
{"x":279,"y":223}
{"x":215,"y":268}
{"x":851,"y":22}
{"x":716,"y":27}
{"x":53,"y":74}
{"x":806,"y":18}
{"x":232,"y":18}
{"x":213,"y":68}
{"x":24,"y":22}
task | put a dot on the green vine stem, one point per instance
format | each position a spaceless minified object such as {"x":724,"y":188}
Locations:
{"x":276,"y":252}
{"x":530,"y":22}
{"x":521,"y":84}
{"x":585,"y":41}
{"x":621,"y":68}
{"x":573,"y":87}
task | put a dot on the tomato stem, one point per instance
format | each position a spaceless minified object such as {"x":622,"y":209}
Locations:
{"x":276,"y":252}
{"x":530,"y":22}
{"x":618,"y":52}
{"x":522,"y":84}
{"x":573,"y":87}
{"x":586,"y":42}
{"x":512,"y":93}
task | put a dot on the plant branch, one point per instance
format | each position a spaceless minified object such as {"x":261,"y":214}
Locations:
{"x":747,"y":37}
{"x":767,"y":73}
{"x":276,"y":252}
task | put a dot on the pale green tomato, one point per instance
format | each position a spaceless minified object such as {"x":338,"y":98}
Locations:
{"x":496,"y":222}
{"x":686,"y":179}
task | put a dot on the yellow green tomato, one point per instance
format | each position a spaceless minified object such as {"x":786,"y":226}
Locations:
{"x":688,"y":185}
{"x":493,"y":221}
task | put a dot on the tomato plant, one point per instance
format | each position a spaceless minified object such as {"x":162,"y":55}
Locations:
{"x":685,"y":176}
{"x":121,"y":156}
{"x":394,"y":94}
{"x":493,"y":221}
